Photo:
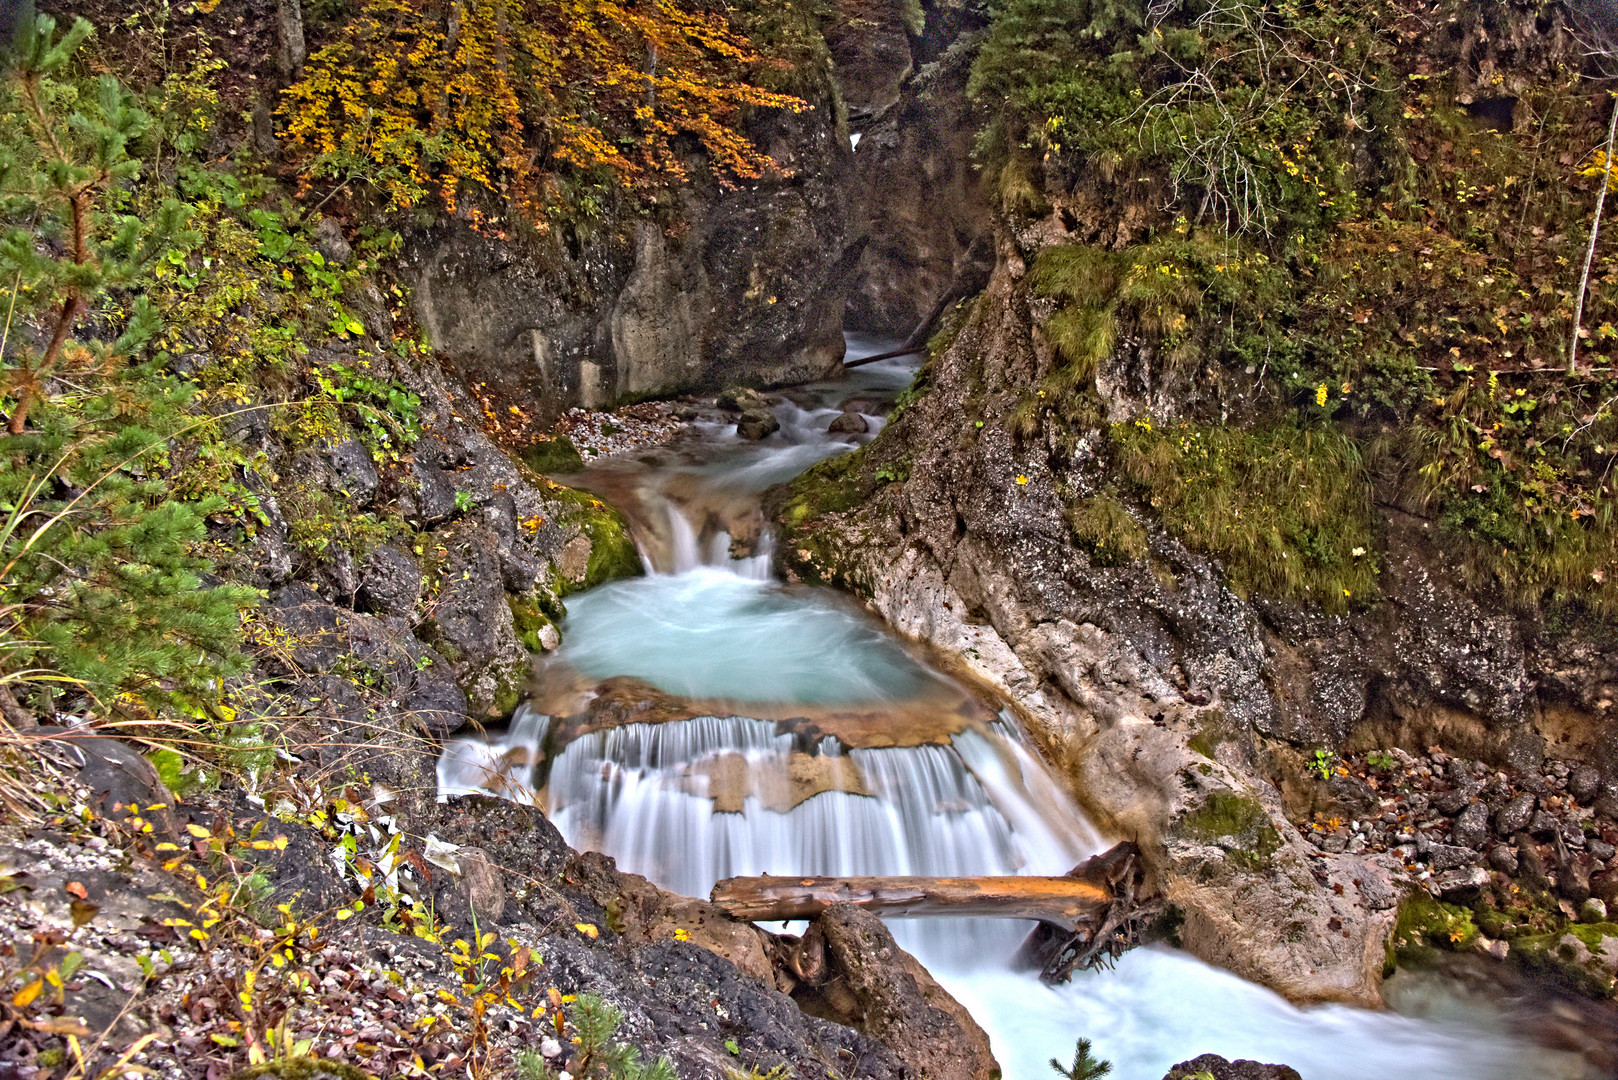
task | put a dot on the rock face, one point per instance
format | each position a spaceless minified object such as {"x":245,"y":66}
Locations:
{"x":926,"y":207}
{"x":1183,"y":712}
{"x":730,"y":286}
{"x":689,"y":978}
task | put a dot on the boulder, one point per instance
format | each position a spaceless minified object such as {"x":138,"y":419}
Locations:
{"x":1503,"y":858}
{"x":881,"y":990}
{"x":756,"y":425}
{"x":124,"y":783}
{"x":1451,"y":856}
{"x":1221,"y":1069}
{"x":741,"y":399}
{"x":849,"y":423}
{"x":1461,"y":884}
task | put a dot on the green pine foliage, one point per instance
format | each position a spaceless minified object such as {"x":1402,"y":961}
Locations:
{"x":598,"y":1056}
{"x":103,"y":588}
{"x":1084,"y":1067}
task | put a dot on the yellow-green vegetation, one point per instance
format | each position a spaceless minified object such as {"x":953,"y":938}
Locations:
{"x":1295,"y":202}
{"x":612,"y":549}
{"x":1286,"y":507}
{"x":1104,"y":527}
{"x":1424,"y":926}
{"x":1242,"y":819}
{"x":541,"y":108}
{"x":1580,"y":953}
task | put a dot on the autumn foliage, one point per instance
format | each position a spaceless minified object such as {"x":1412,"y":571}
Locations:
{"x":510,"y":98}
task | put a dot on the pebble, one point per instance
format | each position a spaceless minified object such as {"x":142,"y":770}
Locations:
{"x":1472,"y":827}
{"x":1450,"y":857}
{"x":1515,"y":815}
{"x":1543,"y":823}
{"x":1503,"y":858}
{"x":1584,"y":783}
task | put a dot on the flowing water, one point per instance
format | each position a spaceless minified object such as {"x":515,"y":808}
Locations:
{"x":794,"y":735}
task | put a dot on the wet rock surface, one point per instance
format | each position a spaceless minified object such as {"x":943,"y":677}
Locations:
{"x":1169,"y":700}
{"x":872,"y":984}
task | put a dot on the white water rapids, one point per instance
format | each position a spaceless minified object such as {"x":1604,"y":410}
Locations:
{"x":690,"y":801}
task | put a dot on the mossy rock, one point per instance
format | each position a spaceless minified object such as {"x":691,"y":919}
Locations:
{"x":834,"y":486}
{"x":1242,"y":818}
{"x":557,"y":455}
{"x":511,"y":683}
{"x":613,"y":553}
{"x":1424,"y":927}
{"x":1584,"y":955}
{"x":530,"y":621}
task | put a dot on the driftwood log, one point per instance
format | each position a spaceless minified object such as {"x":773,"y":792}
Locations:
{"x":1087,"y":917}
{"x":1121,"y":924}
{"x":1063,"y":901}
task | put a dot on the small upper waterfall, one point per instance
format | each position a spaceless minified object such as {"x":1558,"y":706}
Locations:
{"x":707,"y":721}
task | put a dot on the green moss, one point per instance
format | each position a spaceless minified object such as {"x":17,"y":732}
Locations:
{"x":557,"y":455}
{"x":1240,"y":817}
{"x":301,"y":1068}
{"x":1424,"y":926}
{"x":1210,"y":733}
{"x":1554,"y":954}
{"x":613,"y":553}
{"x":529,"y":620}
{"x":834,"y":486}
{"x":510,"y":687}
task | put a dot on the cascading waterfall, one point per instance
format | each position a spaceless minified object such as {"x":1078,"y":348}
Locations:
{"x":693,"y":800}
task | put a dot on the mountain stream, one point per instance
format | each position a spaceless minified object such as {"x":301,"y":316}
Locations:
{"x":795,"y":736}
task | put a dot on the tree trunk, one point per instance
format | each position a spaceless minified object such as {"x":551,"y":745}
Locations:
{"x":294,"y":51}
{"x":1590,"y":253}
{"x":1063,"y":901}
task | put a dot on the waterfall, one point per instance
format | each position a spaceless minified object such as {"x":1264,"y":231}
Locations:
{"x":918,"y":783}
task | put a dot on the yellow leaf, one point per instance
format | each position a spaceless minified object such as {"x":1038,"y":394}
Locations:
{"x":587,"y":929}
{"x":344,"y":913}
{"x":25,"y":997}
{"x":199,"y":832}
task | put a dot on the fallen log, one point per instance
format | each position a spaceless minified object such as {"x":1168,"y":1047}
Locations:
{"x":1062,"y":901}
{"x":1124,"y":922}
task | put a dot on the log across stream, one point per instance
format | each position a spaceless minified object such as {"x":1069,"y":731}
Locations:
{"x":762,"y":784}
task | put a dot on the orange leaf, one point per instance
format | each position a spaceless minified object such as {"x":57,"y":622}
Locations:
{"x":76,"y":889}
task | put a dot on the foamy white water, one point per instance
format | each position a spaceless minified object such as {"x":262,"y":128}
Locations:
{"x":689,"y":802}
